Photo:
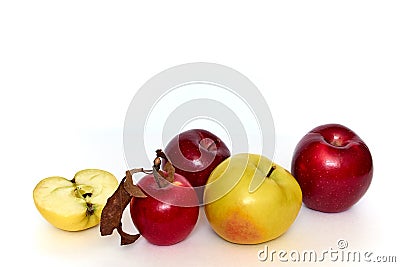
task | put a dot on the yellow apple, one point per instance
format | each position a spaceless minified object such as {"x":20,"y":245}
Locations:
{"x":241,"y":213}
{"x":76,"y":204}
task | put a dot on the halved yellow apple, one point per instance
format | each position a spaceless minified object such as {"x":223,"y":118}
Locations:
{"x":76,"y":204}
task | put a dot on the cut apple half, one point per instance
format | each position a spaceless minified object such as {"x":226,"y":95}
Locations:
{"x":75,"y":204}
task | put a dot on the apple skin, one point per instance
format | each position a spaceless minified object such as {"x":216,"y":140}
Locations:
{"x":167,"y":215}
{"x":195,"y":153}
{"x":244,"y":217}
{"x":333,"y":167}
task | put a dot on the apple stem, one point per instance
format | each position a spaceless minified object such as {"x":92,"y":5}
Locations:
{"x":273,"y":167}
{"x":132,"y":171}
{"x":161,"y":182}
{"x":158,"y":178}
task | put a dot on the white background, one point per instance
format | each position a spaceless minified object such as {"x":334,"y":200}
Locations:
{"x":69,"y":69}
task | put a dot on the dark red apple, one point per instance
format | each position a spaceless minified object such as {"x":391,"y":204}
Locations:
{"x":195,"y":153}
{"x":168,"y":214}
{"x":333,"y":167}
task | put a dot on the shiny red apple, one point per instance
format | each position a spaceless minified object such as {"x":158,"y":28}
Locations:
{"x":195,"y":154}
{"x":168,"y":214}
{"x":333,"y":167}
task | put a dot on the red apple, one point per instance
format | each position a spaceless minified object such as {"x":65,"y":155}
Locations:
{"x":333,"y":167}
{"x":168,"y":214}
{"x":195,"y":154}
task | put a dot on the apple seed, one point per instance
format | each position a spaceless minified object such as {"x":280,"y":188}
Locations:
{"x":90,"y":209}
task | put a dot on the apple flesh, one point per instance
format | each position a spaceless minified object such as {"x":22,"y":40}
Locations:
{"x":76,"y":204}
{"x":195,"y":153}
{"x":168,"y":214}
{"x":333,"y":166}
{"x":240,"y":216}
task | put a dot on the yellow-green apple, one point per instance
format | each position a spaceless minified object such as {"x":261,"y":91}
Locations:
{"x":333,"y":167}
{"x":76,"y":204}
{"x":242,"y":216}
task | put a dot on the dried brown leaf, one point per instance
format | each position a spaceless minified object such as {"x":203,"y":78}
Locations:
{"x":170,"y":170}
{"x":132,"y":189}
{"x":126,"y":238}
{"x":113,"y":210}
